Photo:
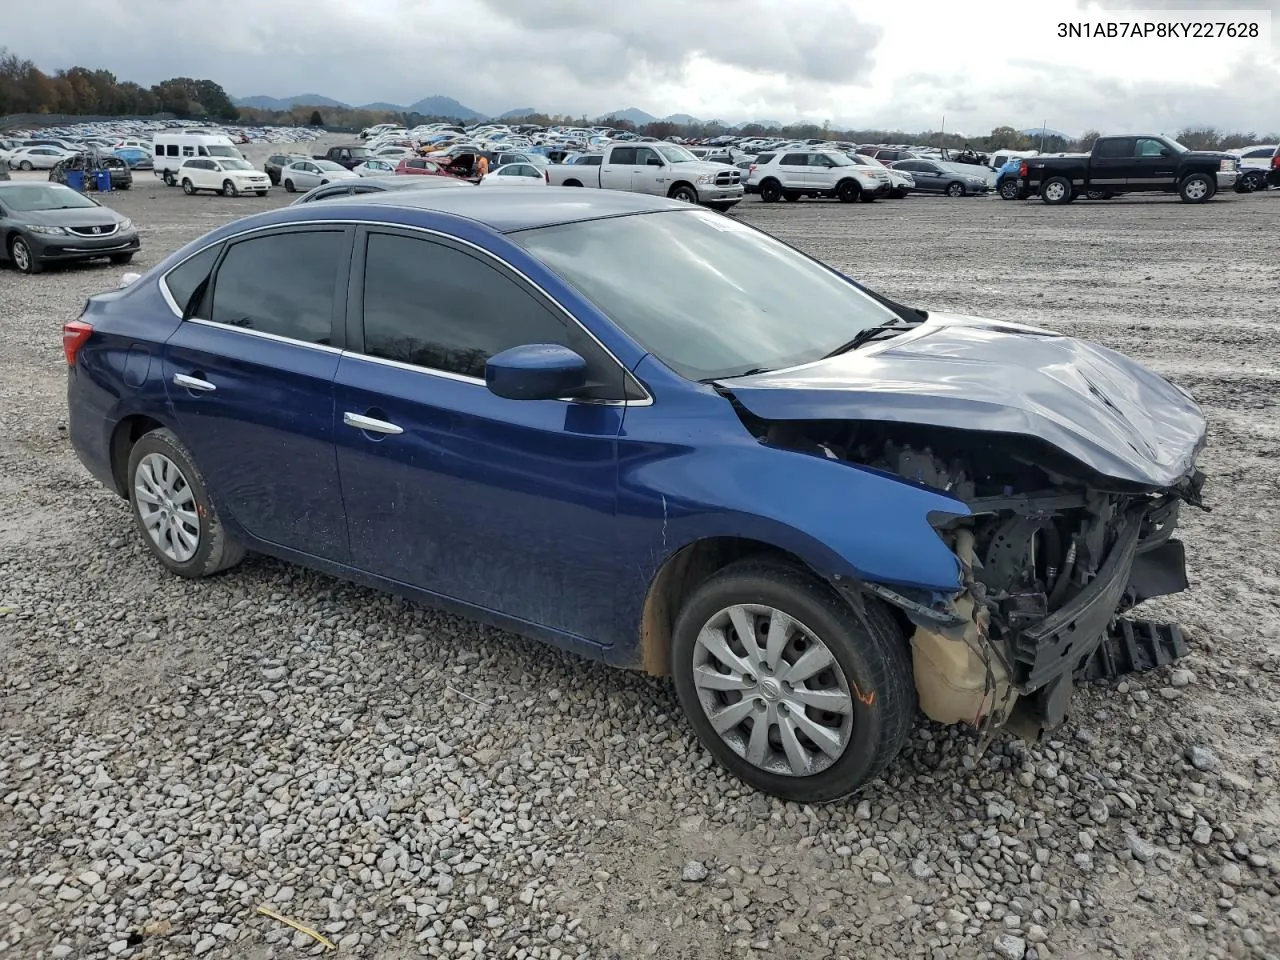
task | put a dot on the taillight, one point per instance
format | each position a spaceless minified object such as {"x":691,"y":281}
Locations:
{"x":74,"y":336}
{"x":1275,"y":161}
{"x":751,"y":169}
{"x":1022,"y":169}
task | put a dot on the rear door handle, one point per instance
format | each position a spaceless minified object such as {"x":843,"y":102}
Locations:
{"x":369,"y":424}
{"x":193,"y":383}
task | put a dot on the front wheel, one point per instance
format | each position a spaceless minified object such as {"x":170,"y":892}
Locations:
{"x":848,"y":192}
{"x":173,"y":512}
{"x":289,"y":187}
{"x":1009,"y":190}
{"x":1197,"y":188}
{"x":229,"y":189}
{"x":955,"y":190}
{"x":786,"y":686}
{"x":22,"y":257}
{"x":188,"y":187}
{"x":684,"y":194}
{"x":26,"y":165}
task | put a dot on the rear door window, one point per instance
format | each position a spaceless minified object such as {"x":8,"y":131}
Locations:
{"x":282,"y":284}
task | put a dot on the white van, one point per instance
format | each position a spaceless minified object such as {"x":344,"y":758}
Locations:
{"x":171,"y":150}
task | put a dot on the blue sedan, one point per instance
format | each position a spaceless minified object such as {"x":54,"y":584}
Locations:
{"x":652,"y":435}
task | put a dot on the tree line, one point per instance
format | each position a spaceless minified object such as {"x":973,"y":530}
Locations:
{"x":25,"y":88}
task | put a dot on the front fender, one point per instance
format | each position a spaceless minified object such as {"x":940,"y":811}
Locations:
{"x":839,"y":518}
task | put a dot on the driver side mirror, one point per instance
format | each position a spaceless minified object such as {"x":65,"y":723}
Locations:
{"x":1166,"y":152}
{"x":654,"y":162}
{"x":536,"y":371}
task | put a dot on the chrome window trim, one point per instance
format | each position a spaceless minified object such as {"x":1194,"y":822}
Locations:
{"x":646,"y":401}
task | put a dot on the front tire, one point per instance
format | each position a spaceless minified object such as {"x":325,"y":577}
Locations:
{"x":848,"y":192}
{"x":1196,"y":188}
{"x":229,"y":189}
{"x":955,"y":189}
{"x":814,"y":703}
{"x":289,"y":187}
{"x":188,"y":187}
{"x":172,"y":509}
{"x":1009,"y":190}
{"x":26,"y":165}
{"x":22,"y":257}
{"x":683,"y":193}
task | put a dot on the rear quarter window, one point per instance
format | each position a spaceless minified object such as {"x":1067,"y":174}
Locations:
{"x":188,"y":278}
{"x":765,"y":158}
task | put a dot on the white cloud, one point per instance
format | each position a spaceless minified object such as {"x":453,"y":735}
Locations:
{"x":884,"y":65}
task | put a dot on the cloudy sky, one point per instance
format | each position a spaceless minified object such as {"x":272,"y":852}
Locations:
{"x":856,"y":63}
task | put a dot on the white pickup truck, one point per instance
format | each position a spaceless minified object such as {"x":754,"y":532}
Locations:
{"x":661,"y":169}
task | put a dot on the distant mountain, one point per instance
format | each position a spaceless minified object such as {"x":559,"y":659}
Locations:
{"x":518,"y":112}
{"x":288,"y":103}
{"x":767,"y":124}
{"x":681,"y":118}
{"x":438,"y":106}
{"x":1035,"y":132}
{"x":631,"y":114}
{"x":380,"y":106}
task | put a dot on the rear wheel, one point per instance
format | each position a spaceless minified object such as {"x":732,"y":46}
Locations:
{"x":229,"y":189}
{"x":1196,"y":188}
{"x":786,"y":686}
{"x":172,"y":510}
{"x":168,"y":179}
{"x":770,"y":191}
{"x":1056,"y":190}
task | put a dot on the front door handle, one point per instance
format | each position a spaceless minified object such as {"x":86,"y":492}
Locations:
{"x":193,"y":383}
{"x":369,"y":424}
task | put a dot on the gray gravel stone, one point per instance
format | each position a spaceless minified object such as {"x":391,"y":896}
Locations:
{"x":1142,"y":850}
{"x":1202,"y":758}
{"x":1011,"y":947}
{"x":694,"y":872}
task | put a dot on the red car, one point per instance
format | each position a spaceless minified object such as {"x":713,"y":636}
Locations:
{"x":417,"y":166}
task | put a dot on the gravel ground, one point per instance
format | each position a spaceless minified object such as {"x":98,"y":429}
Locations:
{"x":174,"y":755}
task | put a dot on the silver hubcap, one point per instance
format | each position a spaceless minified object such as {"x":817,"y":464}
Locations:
{"x":21,"y":257}
{"x":1055,"y":191}
{"x":772,"y":690}
{"x":1197,"y":189}
{"x":167,"y":507}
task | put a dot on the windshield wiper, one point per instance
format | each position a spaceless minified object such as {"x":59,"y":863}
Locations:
{"x":869,"y":334}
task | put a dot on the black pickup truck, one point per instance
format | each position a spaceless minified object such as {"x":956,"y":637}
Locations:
{"x":1130,"y":164}
{"x":347,"y":156}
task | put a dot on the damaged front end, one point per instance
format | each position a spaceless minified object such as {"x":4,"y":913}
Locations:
{"x":1051,"y":554}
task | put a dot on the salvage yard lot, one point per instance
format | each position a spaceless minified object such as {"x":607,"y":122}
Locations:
{"x":174,"y":754}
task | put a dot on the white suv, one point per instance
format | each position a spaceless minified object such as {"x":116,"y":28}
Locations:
{"x":793,"y":174}
{"x":226,"y":175}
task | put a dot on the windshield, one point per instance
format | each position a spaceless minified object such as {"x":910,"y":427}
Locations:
{"x":236,"y":165}
{"x":34,"y":197}
{"x":218,"y":151}
{"x":709,"y":296}
{"x":328,"y":165}
{"x":672,"y":153}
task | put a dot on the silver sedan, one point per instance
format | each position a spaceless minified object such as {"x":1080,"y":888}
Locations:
{"x":305,"y":174}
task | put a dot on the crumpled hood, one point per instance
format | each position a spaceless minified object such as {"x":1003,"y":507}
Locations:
{"x":1093,"y":404}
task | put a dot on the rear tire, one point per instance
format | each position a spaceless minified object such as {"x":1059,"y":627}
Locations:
{"x":770,"y":191}
{"x":1057,"y":190}
{"x":868,"y":704}
{"x":157,"y":495}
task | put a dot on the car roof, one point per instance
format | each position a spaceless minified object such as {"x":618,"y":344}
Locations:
{"x":519,"y":208}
